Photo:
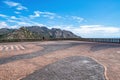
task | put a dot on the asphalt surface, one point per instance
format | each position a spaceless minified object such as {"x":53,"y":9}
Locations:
{"x":47,"y":49}
{"x":71,"y":68}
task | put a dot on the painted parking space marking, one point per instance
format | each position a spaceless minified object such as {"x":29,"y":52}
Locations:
{"x":11,"y":47}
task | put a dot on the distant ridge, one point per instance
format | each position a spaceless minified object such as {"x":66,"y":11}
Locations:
{"x":35,"y":32}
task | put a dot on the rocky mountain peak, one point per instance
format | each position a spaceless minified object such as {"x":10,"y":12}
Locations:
{"x":38,"y":32}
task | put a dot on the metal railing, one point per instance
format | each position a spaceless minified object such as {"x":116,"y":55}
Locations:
{"x":106,"y":40}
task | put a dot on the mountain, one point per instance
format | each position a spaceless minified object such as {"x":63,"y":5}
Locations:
{"x":5,"y":31}
{"x":42,"y":31}
{"x":21,"y":33}
{"x":58,"y":33}
{"x":35,"y":32}
{"x":51,"y":33}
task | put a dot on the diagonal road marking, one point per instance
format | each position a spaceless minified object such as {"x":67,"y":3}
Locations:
{"x":21,"y":47}
{"x":11,"y":47}
{"x":6,"y":47}
{"x":16,"y":47}
{"x":1,"y":48}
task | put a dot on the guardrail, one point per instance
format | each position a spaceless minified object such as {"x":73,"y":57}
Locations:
{"x":106,"y":40}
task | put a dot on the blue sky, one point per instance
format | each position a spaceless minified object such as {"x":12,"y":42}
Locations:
{"x":86,"y":18}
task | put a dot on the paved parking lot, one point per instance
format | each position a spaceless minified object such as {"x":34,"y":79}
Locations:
{"x":30,"y":60}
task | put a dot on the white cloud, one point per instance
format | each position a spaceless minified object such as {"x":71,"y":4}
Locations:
{"x":23,"y":21}
{"x":99,"y":28}
{"x":36,"y":14}
{"x":93,"y":31}
{"x":4,"y":16}
{"x":18,"y":6}
{"x":14,"y":27}
{"x":11,"y":4}
{"x":3,"y":25}
{"x":12,"y":21}
{"x":13,"y":17}
{"x":16,"y":12}
{"x":49,"y":15}
{"x":19,"y":24}
{"x":37,"y":24}
{"x":79,"y":19}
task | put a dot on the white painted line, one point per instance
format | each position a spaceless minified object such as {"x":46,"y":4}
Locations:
{"x":118,"y":51}
{"x":1,"y":48}
{"x":20,"y":46}
{"x":16,"y":47}
{"x":12,"y":47}
{"x":6,"y":47}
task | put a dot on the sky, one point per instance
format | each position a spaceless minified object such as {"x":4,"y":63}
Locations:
{"x":85,"y":18}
